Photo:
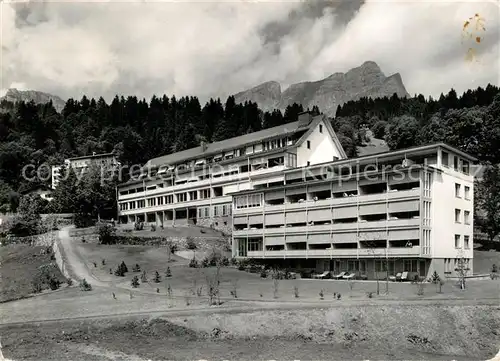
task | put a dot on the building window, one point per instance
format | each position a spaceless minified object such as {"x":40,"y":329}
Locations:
{"x":321,"y":128}
{"x":444,"y":159}
{"x":457,"y":190}
{"x":205,"y":193}
{"x":193,"y":196}
{"x":466,"y":242}
{"x":216,"y":211}
{"x":169,"y":199}
{"x":457,"y":241}
{"x":455,"y":162}
{"x":308,"y":163}
{"x":308,"y":144}
{"x":467,"y":193}
{"x":160,"y":201}
{"x":465,"y":167}
{"x":466,"y":217}
{"x":457,"y":215}
{"x":181,"y":197}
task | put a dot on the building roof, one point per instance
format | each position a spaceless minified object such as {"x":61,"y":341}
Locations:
{"x":229,"y":144}
{"x":101,"y":155}
{"x":330,"y":130}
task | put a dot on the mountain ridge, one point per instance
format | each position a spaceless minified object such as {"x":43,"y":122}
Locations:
{"x":14,"y":95}
{"x":367,"y":80}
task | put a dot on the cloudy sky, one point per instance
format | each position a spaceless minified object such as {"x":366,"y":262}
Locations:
{"x":217,"y":48}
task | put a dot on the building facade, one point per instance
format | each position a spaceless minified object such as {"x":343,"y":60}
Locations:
{"x":383,"y":214}
{"x":194,"y":186}
{"x":82,"y":164}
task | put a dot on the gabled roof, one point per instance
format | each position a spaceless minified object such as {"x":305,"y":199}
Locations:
{"x":228,"y":144}
{"x":332,"y":133}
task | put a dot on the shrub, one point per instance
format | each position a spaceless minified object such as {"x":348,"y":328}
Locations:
{"x":69,"y":281}
{"x":135,"y":282}
{"x":46,"y":276}
{"x":157,"y":277}
{"x":369,"y":294}
{"x":233,"y":261}
{"x":241,"y":267}
{"x":144,"y":277}
{"x":138,"y":226}
{"x":54,"y":284}
{"x":263,"y":274}
{"x":190,"y":243}
{"x":193,"y":263}
{"x":205,"y":262}
{"x":36,"y":286}
{"x":173,"y":247}
{"x":95,"y":264}
{"x":110,"y":271}
{"x":494,"y":268}
{"x":85,"y":286}
{"x":103,"y":262}
{"x":153,"y":228}
{"x":338,"y":296}
{"x":106,"y":233}
{"x":119,"y":272}
{"x":224,"y":261}
{"x":378,"y":129}
{"x":168,"y":273}
{"x":124,"y":267}
{"x":82,"y":220}
{"x":435,"y":278}
{"x":136,"y":268}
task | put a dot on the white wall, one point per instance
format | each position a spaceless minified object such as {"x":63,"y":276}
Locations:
{"x":323,"y":149}
{"x":443,"y":208}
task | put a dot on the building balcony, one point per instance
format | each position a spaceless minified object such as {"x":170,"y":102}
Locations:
{"x":339,"y":253}
{"x":339,"y":202}
{"x":333,"y":228}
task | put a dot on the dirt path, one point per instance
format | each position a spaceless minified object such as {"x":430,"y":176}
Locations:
{"x":74,"y":260}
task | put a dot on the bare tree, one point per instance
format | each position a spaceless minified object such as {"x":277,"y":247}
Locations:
{"x":377,"y":255}
{"x":462,"y":269}
{"x":213,"y":286}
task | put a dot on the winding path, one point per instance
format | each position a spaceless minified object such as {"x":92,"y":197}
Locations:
{"x":74,"y":261}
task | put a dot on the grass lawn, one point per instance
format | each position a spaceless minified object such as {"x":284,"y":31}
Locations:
{"x":18,"y":266}
{"x":186,"y":280}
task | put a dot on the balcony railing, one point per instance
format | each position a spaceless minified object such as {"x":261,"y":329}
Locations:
{"x":335,"y":253}
{"x":335,"y":202}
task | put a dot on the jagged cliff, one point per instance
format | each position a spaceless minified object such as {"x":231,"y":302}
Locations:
{"x":14,"y":95}
{"x":367,"y":80}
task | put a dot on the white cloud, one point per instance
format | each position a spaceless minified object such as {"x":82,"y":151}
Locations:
{"x":217,"y":48}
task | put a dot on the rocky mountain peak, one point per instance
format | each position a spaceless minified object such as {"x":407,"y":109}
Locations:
{"x":367,"y":80}
{"x":14,"y":95}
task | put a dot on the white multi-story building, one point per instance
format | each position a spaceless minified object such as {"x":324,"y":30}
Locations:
{"x":195,"y":185}
{"x":402,"y":211}
{"x":81,"y":164}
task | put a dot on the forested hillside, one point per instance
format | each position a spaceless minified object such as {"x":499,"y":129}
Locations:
{"x":470,"y":122}
{"x":138,"y":130}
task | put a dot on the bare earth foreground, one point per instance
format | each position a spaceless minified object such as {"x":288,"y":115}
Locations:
{"x":116,"y":322}
{"x":340,"y":333}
